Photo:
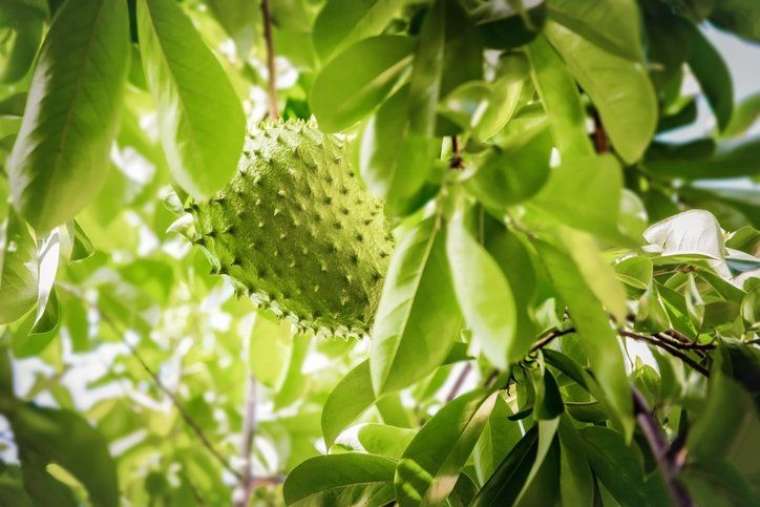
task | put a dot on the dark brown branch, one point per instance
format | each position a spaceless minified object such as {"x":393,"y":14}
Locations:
{"x":549,"y":337}
{"x":659,"y":447}
{"x":272,"y":82}
{"x":601,"y":143}
{"x":456,"y":154}
{"x":667,"y":347}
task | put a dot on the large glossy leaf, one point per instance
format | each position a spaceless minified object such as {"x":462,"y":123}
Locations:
{"x":418,"y":318}
{"x":58,"y":436}
{"x":341,"y":23}
{"x":192,"y":94}
{"x":612,"y":25}
{"x":497,"y":439}
{"x":358,"y":80}
{"x":60,"y":157}
{"x":560,"y":98}
{"x":599,"y":339}
{"x":483,"y":292}
{"x":341,"y":479}
{"x":732,"y":159}
{"x":429,"y":468}
{"x":619,"y":88}
{"x":18,"y":269}
{"x":394,"y":162}
{"x":713,"y":75}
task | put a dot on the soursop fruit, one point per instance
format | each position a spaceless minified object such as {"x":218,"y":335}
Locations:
{"x":296,"y":230}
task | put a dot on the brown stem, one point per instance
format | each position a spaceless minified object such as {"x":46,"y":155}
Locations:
{"x":272,"y":82}
{"x":659,"y":447}
{"x":456,"y":150}
{"x":247,"y":481}
{"x":549,"y":337}
{"x":601,"y":143}
{"x":669,"y":348}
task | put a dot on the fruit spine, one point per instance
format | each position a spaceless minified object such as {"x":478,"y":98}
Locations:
{"x":296,"y":230}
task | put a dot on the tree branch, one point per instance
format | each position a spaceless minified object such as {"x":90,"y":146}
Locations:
{"x":549,"y":337}
{"x":272,"y":81}
{"x":459,"y":382}
{"x":667,"y":347}
{"x":659,"y":447}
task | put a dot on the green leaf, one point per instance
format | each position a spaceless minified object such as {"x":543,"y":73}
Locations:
{"x":60,"y":157}
{"x":596,"y":179}
{"x":12,"y":487}
{"x":508,"y":480}
{"x":192,"y":92}
{"x":346,"y":402}
{"x":39,"y":328}
{"x":576,"y":481}
{"x":60,"y":436}
{"x":535,"y":487}
{"x":341,"y":23}
{"x":615,"y":465}
{"x":484,"y":294}
{"x":620,"y":89}
{"x":427,"y":71}
{"x":713,"y":75}
{"x":738,"y":16}
{"x":18,"y":269}
{"x":269,"y":351}
{"x":240,"y":19}
{"x":357,"y":80}
{"x":508,"y":25}
{"x":599,"y":339}
{"x":498,"y":437}
{"x":613,"y":25}
{"x":548,"y":402}
{"x":22,"y":26}
{"x":390,"y":441}
{"x":341,"y":479}
{"x":394,"y":162}
{"x":744,"y":116}
{"x":417,"y":319}
{"x":429,"y":468}
{"x":729,"y":160}
{"x":560,"y":98}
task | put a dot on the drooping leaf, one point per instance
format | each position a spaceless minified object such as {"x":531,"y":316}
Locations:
{"x":417,"y":319}
{"x":192,"y":92}
{"x":341,"y":479}
{"x":484,"y":294}
{"x":357,"y":80}
{"x":60,"y":157}
{"x":18,"y":269}
{"x":620,"y":89}
{"x":428,"y":470}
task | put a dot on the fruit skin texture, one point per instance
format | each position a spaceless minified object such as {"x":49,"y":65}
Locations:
{"x":297,"y":231}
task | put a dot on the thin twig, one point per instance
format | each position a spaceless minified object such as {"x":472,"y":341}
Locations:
{"x":659,"y":447}
{"x":549,"y":337}
{"x":247,"y":481}
{"x":272,"y":82}
{"x":459,"y":382}
{"x":667,"y":347}
{"x":196,"y":429}
{"x":456,"y":150}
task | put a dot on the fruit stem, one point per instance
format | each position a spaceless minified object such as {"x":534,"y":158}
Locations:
{"x":272,"y":81}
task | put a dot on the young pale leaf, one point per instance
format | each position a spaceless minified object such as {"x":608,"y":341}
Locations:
{"x":341,"y":479}
{"x":713,"y":75}
{"x":598,"y":337}
{"x":620,"y":89}
{"x":484,"y":294}
{"x":269,"y":350}
{"x":60,"y":158}
{"x":341,"y":23}
{"x":201,"y":120}
{"x":429,"y":468}
{"x":18,"y":269}
{"x":612,"y":25}
{"x":358,"y":80}
{"x":60,"y":436}
{"x":417,"y":319}
{"x":559,"y":95}
{"x":390,"y":441}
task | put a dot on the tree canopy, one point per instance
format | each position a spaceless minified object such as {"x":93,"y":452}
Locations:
{"x":378,"y":252}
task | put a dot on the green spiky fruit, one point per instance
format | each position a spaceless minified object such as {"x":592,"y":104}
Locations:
{"x":297,"y":231}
